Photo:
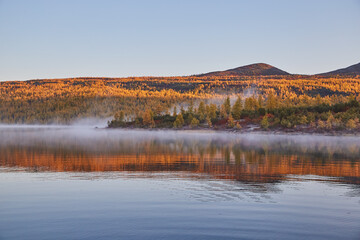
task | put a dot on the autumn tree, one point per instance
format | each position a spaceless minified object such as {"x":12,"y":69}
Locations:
{"x":236,"y":109}
{"x":158,"y":109}
{"x":119,"y":116}
{"x":208,"y":121}
{"x":265,"y":122}
{"x":194,"y":122}
{"x":248,"y":106}
{"x":227,"y":105}
{"x":179,"y":121}
{"x":201,"y":111}
{"x":182,"y":110}
{"x":351,"y":124}
{"x":223,"y":112}
{"x":271,"y":102}
{"x":230,"y":121}
{"x":148,"y":119}
{"x":211,"y":111}
{"x":191,"y":107}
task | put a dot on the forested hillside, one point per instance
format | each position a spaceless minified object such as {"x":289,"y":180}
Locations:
{"x":65,"y":100}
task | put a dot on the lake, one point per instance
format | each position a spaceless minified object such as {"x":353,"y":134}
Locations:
{"x":85,"y":183}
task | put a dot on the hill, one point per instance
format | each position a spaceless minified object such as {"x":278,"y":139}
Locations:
{"x":257,"y":69}
{"x":352,"y":70}
{"x":66,"y":100}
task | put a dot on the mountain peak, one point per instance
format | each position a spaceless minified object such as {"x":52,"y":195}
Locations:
{"x":256,"y":69}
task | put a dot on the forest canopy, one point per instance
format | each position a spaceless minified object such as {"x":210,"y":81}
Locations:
{"x":63,"y":101}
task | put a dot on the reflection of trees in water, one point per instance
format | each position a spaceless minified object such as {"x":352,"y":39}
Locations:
{"x":256,"y":159}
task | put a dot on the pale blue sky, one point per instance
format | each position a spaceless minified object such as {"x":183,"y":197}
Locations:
{"x":71,"y":38}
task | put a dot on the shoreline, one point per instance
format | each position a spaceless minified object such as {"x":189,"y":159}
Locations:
{"x":247,"y":129}
{"x":255,"y":130}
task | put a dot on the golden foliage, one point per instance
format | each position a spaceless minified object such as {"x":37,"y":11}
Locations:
{"x":63,"y":100}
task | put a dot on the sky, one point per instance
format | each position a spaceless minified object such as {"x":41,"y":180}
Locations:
{"x":108,"y":38}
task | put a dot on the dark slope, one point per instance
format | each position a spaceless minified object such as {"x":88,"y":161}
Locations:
{"x":352,"y":70}
{"x":258,"y":69}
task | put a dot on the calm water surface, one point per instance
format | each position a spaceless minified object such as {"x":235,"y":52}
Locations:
{"x":82,"y":183}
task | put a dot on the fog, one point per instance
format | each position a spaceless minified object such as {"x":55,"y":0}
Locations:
{"x":89,"y":138}
{"x":91,"y":122}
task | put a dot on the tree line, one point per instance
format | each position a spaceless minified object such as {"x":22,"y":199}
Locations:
{"x":65,"y":100}
{"x":267,"y":113}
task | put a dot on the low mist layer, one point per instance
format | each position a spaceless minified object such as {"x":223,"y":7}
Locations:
{"x":245,"y":157}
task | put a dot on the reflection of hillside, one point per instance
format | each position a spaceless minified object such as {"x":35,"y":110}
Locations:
{"x":247,"y":158}
{"x":218,"y":159}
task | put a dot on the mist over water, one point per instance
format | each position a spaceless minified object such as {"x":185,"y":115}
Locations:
{"x":74,"y":182}
{"x":88,"y":137}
